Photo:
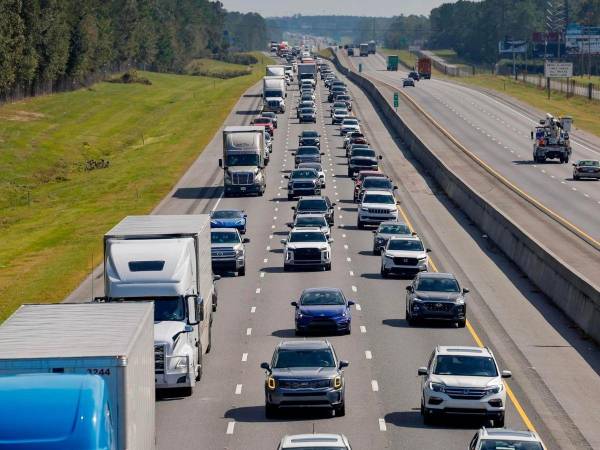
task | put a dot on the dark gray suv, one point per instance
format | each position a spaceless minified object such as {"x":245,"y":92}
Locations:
{"x":436,"y":296}
{"x":304,"y":373}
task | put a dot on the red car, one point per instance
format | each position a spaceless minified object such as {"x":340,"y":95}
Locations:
{"x":265,"y":122}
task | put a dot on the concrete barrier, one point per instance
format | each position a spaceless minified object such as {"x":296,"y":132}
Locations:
{"x":577,"y":297}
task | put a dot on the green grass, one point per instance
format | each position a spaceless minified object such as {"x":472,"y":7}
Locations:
{"x":216,"y":69}
{"x":53,"y":212}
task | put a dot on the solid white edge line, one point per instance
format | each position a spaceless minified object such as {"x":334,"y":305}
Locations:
{"x":382,"y":426}
{"x":368,"y":354}
{"x":231,"y":426}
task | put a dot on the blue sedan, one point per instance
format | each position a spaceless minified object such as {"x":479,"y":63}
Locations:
{"x":229,"y":218}
{"x":323,"y":310}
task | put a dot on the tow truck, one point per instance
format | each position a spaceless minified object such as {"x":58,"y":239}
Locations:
{"x":551,"y":139}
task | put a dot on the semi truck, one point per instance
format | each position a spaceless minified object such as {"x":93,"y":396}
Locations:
{"x":166,"y":259}
{"x":274,"y":93}
{"x":363,"y":49}
{"x":77,"y":376}
{"x":551,"y":139}
{"x":392,"y":62}
{"x":424,"y":68}
{"x":307,"y":71}
{"x":372,"y":47}
{"x":243,"y":162}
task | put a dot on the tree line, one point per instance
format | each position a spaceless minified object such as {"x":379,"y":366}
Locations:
{"x":44,"y":41}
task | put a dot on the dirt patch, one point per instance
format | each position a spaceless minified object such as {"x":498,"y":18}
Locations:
{"x":20,"y":116}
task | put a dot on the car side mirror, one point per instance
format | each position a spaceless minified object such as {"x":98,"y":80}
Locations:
{"x":290,"y":225}
{"x":374,"y":231}
{"x":380,"y":157}
{"x":413,"y":233}
{"x":246,"y":240}
{"x":398,"y":202}
{"x":573,"y":164}
{"x":322,"y":153}
{"x":351,"y":302}
{"x":283,"y":241}
{"x":506,"y":374}
{"x":395,"y":187}
{"x":409,"y":288}
{"x":465,"y":291}
{"x":330,"y":241}
{"x":293,"y":153}
{"x":99,"y":300}
{"x":221,"y":162}
{"x":294,"y":304}
{"x":216,"y":277}
{"x":265,"y":366}
{"x":428,"y":250}
{"x":287,"y":177}
{"x":343,"y":363}
{"x":422,"y":371}
{"x":333,"y":204}
{"x":294,"y":208}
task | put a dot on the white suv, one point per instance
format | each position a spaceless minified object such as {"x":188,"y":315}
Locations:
{"x":405,"y":255}
{"x":501,"y":439}
{"x":463,"y":381}
{"x":376,"y":207}
{"x":315,"y":441}
{"x":307,"y":246}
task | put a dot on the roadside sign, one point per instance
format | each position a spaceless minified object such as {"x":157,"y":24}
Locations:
{"x":360,"y":67}
{"x":414,"y":48}
{"x":558,"y":69}
{"x":395,"y":99}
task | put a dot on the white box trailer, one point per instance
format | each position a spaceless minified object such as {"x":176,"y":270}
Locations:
{"x":113,"y":341}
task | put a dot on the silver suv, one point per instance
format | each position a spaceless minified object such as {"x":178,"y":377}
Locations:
{"x":228,"y":252}
{"x":501,"y":439}
{"x":385,"y":231}
{"x":304,"y":373}
{"x":463,"y":381}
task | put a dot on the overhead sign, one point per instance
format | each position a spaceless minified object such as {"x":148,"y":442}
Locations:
{"x":558,"y":69}
{"x":512,"y":47}
{"x":414,"y":48}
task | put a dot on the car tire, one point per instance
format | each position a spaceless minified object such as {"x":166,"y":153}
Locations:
{"x":242,"y":271}
{"x":384,"y":273}
{"x":328,"y":267}
{"x":376,"y":251}
{"x":340,"y":411}
{"x":286,"y":268}
{"x":290,"y":197}
{"x":360,"y":225}
{"x":410,"y":320}
{"x":575,"y":177}
{"x":187,"y":391}
{"x":270,"y":411}
{"x":461,"y":323}
{"x":349,"y":173}
{"x":499,"y":422}
{"x":428,"y":418}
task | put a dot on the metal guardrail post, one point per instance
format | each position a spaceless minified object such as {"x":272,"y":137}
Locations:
{"x":590,"y":87}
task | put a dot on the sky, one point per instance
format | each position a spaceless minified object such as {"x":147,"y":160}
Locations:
{"x":384,"y":8}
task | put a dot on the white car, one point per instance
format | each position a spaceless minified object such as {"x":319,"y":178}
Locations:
{"x":404,"y":255}
{"x":502,"y":438}
{"x":311,"y":220}
{"x":348,"y":125}
{"x":318,"y":167}
{"x":376,"y":207}
{"x":315,"y":441}
{"x":338,"y":115}
{"x":306,"y":247}
{"x":463,"y":380}
{"x":337,"y":105}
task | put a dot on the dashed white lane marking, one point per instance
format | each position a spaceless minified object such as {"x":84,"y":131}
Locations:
{"x":368,"y":354}
{"x":363,"y":329}
{"x":230,"y":427}
{"x":248,"y":331}
{"x":253,"y":310}
{"x":351,"y":273}
{"x":244,"y":357}
{"x":345,"y":246}
{"x":262,"y":274}
{"x":276,"y":209}
{"x":341,"y":217}
{"x":258,"y":290}
{"x":349,"y":259}
{"x":274,"y":217}
{"x":270,"y":236}
{"x":374,"y":385}
{"x":354,"y":289}
{"x":266,"y":260}
{"x":343,"y":235}
{"x":268,"y":248}
{"x":382,"y":426}
{"x":272,"y":227}
{"x":238,"y":389}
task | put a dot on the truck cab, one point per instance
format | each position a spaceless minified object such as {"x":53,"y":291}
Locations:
{"x":274,"y":93}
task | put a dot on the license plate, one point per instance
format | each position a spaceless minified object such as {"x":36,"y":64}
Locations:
{"x":242,"y":188}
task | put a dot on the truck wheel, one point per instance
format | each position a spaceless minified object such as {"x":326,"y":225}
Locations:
{"x":499,"y":422}
{"x":340,"y":411}
{"x":461,"y":323}
{"x":270,"y":411}
{"x":349,"y":173}
{"x":242,"y":271}
{"x":209,"y":346}
{"x":567,"y":159}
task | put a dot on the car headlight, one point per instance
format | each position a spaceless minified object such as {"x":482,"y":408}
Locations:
{"x":180,"y":363}
{"x":239,"y":253}
{"x":494,"y":389}
{"x":271,"y":383}
{"x":289,"y":255}
{"x":437,"y":387}
{"x":422,"y":258}
{"x":337,"y":382}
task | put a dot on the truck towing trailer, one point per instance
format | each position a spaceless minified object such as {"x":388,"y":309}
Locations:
{"x":274,"y":93}
{"x":551,"y":139}
{"x":424,"y":68}
{"x":166,"y":259}
{"x":77,"y":376}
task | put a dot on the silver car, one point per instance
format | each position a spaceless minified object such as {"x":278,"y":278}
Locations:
{"x":228,"y":252}
{"x":304,"y":374}
{"x":586,"y":168}
{"x":387,"y":230}
{"x":318,"y":167}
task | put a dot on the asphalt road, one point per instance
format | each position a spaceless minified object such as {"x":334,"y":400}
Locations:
{"x":499,"y":133}
{"x":550,"y":362}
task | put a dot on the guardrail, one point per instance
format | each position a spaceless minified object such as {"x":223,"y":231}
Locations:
{"x":576,"y":296}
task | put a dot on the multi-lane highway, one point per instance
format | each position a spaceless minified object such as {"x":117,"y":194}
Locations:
{"x":499,"y":133}
{"x":549,"y":360}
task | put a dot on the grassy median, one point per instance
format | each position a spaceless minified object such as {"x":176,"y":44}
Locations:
{"x":73,"y":164}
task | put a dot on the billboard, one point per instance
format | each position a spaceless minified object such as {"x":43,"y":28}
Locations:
{"x":582,"y":40}
{"x":511,"y":47}
{"x":558,"y":69}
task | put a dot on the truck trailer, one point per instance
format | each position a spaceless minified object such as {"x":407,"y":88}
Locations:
{"x":363,"y":49}
{"x":243,"y":162}
{"x":424,"y":68}
{"x":307,"y":71}
{"x":77,"y":376}
{"x":166,"y":259}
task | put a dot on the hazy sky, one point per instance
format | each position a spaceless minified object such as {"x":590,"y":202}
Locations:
{"x":388,"y":8}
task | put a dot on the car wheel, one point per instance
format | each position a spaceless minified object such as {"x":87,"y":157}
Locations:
{"x":461,"y":323}
{"x":428,"y":418}
{"x":290,"y":197}
{"x":187,"y":391}
{"x":328,"y":267}
{"x":286,"y":268}
{"x":384,"y":273}
{"x":376,"y":251}
{"x":360,"y":225}
{"x":349,"y":173}
{"x":349,"y":330}
{"x":270,"y":411}
{"x":242,"y":271}
{"x":409,"y":319}
{"x":340,"y":411}
{"x":499,"y":422}
{"x":575,"y":177}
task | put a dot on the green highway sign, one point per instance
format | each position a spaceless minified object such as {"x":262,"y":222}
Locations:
{"x":360,"y":67}
{"x":395,"y":99}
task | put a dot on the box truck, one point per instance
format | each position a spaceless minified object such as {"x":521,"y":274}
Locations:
{"x":166,"y":259}
{"x":307,"y":71}
{"x":363,"y":49}
{"x":424,"y":68}
{"x":77,"y":376}
{"x":243,"y":162}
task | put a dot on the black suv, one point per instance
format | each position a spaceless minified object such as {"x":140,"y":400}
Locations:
{"x":303,"y":182}
{"x":316,"y":204}
{"x":436,"y":296}
{"x":310,"y":138}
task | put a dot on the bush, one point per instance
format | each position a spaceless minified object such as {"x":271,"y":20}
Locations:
{"x":243,"y":59}
{"x":131,"y":76}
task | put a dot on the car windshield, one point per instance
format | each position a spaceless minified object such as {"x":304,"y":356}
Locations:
{"x":270,"y":115}
{"x":499,"y":444}
{"x":394,"y":229}
{"x":165,"y":308}
{"x":339,"y":105}
{"x":350,"y":122}
{"x":248,"y":159}
{"x":379,"y":198}
{"x":328,"y":297}
{"x":307,"y":151}
{"x":315,"y":166}
{"x":360,"y":151}
{"x":225,"y":214}
{"x":262,"y":120}
{"x":313,"y":205}
{"x":343,"y":97}
{"x":316,"y":221}
{"x":474,"y":366}
{"x":380,"y":183}
{"x":437,"y":285}
{"x":306,"y":173}
{"x":309,"y":134}
{"x":411,"y":245}
{"x":224,"y":237}
{"x":288,"y":358}
{"x":341,"y":112}
{"x":589,"y":163}
{"x":307,"y":236}
{"x":307,"y":110}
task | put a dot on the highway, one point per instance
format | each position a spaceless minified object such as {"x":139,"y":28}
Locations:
{"x":549,"y":360}
{"x":499,"y":133}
